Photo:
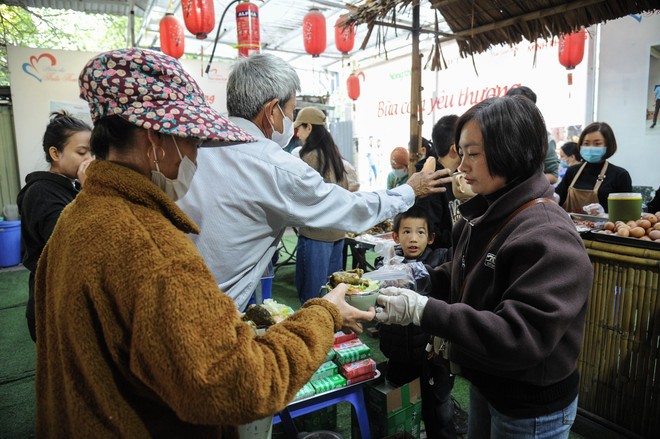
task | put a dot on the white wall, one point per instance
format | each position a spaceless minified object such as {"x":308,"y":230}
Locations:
{"x":622,"y":94}
{"x":43,"y":80}
{"x":382,"y":111}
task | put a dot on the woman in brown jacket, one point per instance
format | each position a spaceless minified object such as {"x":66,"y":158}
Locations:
{"x":135,"y":339}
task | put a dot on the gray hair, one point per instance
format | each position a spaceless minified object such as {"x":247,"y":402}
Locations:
{"x":257,"y":79}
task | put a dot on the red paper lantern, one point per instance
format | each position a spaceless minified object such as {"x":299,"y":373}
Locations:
{"x":344,"y":36}
{"x":314,"y":36}
{"x":199,"y":17}
{"x":172,"y":40}
{"x":247,"y":28}
{"x":571,"y":51}
{"x":353,"y":86}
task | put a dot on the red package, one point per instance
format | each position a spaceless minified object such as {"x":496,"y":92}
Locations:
{"x":347,"y":344}
{"x":357,"y":368}
{"x":360,"y":378}
{"x":340,"y":337}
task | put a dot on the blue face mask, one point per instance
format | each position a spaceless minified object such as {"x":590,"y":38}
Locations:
{"x":563,"y":163}
{"x":593,"y":154}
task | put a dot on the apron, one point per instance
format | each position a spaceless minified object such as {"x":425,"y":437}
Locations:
{"x":576,"y":199}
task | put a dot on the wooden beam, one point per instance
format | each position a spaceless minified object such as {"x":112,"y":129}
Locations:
{"x":442,"y":3}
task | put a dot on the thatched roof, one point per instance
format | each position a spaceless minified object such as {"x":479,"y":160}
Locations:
{"x":480,"y":24}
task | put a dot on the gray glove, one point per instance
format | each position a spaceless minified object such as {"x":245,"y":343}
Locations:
{"x":400,"y":306}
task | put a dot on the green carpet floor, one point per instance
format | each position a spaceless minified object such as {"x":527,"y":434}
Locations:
{"x":17,"y":365}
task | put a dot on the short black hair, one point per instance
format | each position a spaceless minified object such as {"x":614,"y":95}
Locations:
{"x":571,"y":148}
{"x":430,"y":150}
{"x":60,"y":128}
{"x":416,"y":211}
{"x":443,"y":134}
{"x":522,"y":91}
{"x":606,"y":131}
{"x":514,"y":135}
{"x":111,"y":131}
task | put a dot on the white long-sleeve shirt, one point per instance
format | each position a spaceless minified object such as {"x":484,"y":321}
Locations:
{"x":244,"y":196}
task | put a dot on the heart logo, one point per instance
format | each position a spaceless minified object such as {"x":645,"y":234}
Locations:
{"x":31,"y":67}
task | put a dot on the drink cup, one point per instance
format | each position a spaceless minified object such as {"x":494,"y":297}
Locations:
{"x":624,"y":206}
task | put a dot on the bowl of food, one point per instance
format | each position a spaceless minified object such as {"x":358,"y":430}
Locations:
{"x":362,"y":292}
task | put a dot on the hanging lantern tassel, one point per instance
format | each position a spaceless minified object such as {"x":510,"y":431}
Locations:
{"x":571,"y":51}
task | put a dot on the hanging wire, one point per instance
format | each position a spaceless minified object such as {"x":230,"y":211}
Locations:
{"x":217,"y":34}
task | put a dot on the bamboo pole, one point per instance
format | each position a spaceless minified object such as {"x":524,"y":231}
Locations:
{"x":415,"y":92}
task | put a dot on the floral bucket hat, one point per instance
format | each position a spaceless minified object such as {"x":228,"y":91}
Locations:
{"x":151,"y":90}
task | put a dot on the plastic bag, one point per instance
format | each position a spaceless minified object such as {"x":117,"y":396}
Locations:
{"x":396,"y":273}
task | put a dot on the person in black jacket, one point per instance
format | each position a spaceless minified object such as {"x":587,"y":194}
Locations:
{"x":46,"y":193}
{"x":508,"y":312}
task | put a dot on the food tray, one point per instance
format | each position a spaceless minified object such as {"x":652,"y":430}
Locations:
{"x":598,"y":235}
{"x":582,"y":217}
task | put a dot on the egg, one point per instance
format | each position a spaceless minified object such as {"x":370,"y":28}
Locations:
{"x":654,"y":234}
{"x":609,"y":225}
{"x":623,"y":231}
{"x":643,"y":223}
{"x":637,"y":232}
{"x":650,"y":217}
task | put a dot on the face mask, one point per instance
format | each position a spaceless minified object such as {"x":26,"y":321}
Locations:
{"x":563,"y":163}
{"x":400,"y":173}
{"x":593,"y":154}
{"x":177,"y":188}
{"x":283,"y":138}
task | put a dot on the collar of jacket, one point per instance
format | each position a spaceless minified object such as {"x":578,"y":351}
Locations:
{"x":59,"y":179}
{"x":106,"y":178}
{"x":248,"y":126}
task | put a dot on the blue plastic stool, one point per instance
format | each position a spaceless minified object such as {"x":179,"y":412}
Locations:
{"x":352,"y":394}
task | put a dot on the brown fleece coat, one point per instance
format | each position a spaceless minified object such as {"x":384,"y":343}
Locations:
{"x":135,"y":338}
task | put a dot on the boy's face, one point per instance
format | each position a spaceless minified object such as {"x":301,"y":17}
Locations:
{"x":413,"y":235}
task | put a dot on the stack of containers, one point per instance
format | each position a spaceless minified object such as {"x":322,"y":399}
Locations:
{"x":348,"y":362}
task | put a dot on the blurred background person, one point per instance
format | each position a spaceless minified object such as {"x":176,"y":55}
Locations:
{"x":426,"y":151}
{"x":569,"y":155}
{"x":46,"y":193}
{"x":448,"y":158}
{"x":596,"y":178}
{"x":399,"y":158}
{"x":319,"y":251}
{"x":551,"y":161}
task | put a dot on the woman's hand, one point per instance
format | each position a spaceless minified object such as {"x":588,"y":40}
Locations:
{"x":429,"y":182}
{"x":400,"y":306}
{"x":350,"y":314}
{"x":82,"y":170}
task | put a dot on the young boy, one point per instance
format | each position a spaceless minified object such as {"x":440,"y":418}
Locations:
{"x":405,"y":346}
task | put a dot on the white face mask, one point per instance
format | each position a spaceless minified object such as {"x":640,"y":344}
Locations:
{"x":400,"y":173}
{"x":177,"y":188}
{"x":283,"y":138}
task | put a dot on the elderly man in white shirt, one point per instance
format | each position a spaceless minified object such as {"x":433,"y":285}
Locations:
{"x":244,"y":196}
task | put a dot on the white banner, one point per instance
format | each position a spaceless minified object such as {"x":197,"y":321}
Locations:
{"x":44,"y":80}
